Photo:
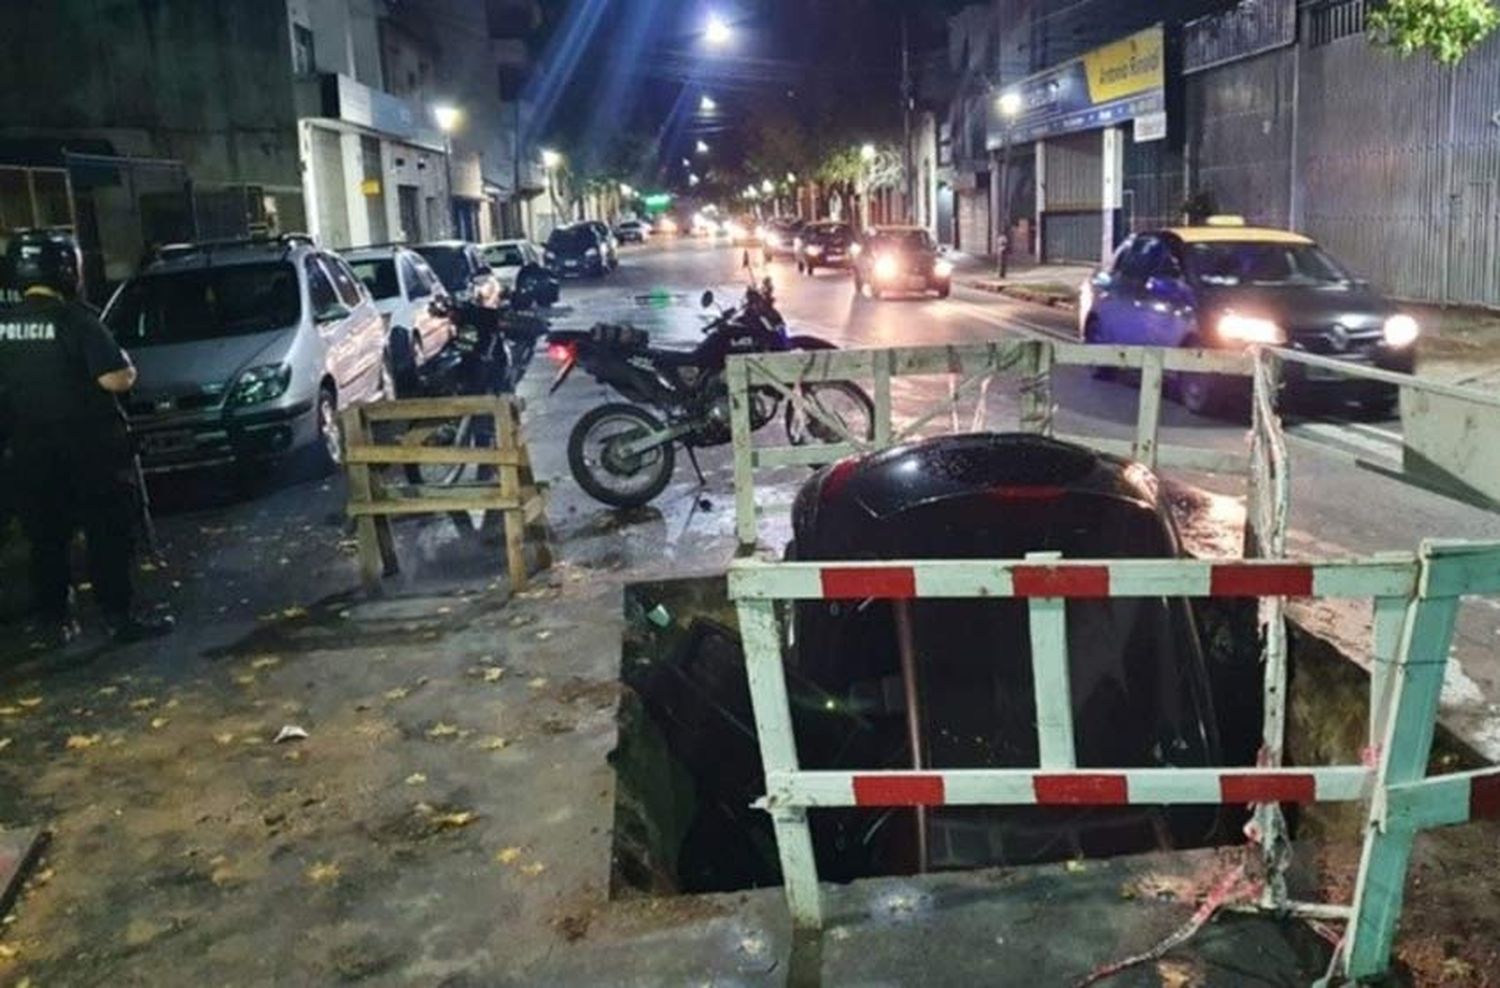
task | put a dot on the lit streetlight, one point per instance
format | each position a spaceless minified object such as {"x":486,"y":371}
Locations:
{"x":706,"y":104}
{"x":687,"y":162}
{"x":717,"y":31}
{"x":702,"y":147}
{"x":626,"y":190}
{"x":448,"y":118}
{"x":1009,"y":103}
{"x":693,"y":179}
{"x":551,"y":159}
{"x":867,"y":153}
{"x":791,"y":177}
{"x":768,"y":186}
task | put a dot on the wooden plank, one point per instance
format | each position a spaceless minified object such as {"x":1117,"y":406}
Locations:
{"x":362,"y":497}
{"x":510,"y":490}
{"x":738,"y":376}
{"x":411,"y":409}
{"x":439,"y":455}
{"x":803,"y":456}
{"x":430,"y":506}
{"x":882,"y":399}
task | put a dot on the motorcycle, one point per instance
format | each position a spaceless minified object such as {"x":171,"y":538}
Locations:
{"x":624,"y":453}
{"x":489,"y":354}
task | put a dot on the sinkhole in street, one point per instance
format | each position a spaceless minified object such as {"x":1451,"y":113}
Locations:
{"x":688,"y":766}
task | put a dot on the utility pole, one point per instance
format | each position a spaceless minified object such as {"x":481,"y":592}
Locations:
{"x":906,"y":155}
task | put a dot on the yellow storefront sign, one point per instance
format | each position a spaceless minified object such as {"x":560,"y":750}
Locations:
{"x":1123,"y":68}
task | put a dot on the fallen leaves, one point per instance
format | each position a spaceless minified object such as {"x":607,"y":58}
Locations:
{"x":290,"y":732}
{"x":78,"y":742}
{"x":224,"y":737}
{"x":492,"y":674}
{"x":30,"y":703}
{"x":533,"y":869}
{"x":450,"y":821}
{"x":508,"y":855}
{"x":144,"y":703}
{"x":442,"y":730}
{"x":157,"y":723}
{"x":265,"y":662}
{"x":493,"y":744}
{"x":9,"y":711}
{"x":323,"y":873}
{"x":416,"y":779}
{"x":8,"y":953}
{"x":5,"y":743}
{"x":399,"y":693}
{"x":538,"y":682}
{"x":108,"y":690}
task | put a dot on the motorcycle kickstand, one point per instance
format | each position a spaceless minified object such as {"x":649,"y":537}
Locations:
{"x":693,"y":459}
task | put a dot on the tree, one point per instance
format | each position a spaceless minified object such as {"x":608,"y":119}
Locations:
{"x":1446,"y":29}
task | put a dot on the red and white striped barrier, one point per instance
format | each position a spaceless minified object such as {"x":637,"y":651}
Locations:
{"x":751,"y":579}
{"x":1443,"y":800}
{"x":1075,"y":787}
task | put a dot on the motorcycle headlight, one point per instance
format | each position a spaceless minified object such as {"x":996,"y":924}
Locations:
{"x":943,"y":269}
{"x":260,"y":384}
{"x":813,"y":250}
{"x":886,"y":267}
{"x":1249,"y":329}
{"x":1401,"y":330}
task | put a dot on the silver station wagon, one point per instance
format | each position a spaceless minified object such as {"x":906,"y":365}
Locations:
{"x":247,"y":352}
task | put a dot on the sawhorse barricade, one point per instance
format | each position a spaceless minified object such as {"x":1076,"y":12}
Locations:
{"x":1402,"y":800}
{"x":970,"y":367}
{"x":491,"y":443}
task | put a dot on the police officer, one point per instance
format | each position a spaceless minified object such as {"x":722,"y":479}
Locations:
{"x":60,"y":372}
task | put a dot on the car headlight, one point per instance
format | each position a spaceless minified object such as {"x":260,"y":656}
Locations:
{"x":591,"y":252}
{"x":886,"y":267}
{"x":813,"y":250}
{"x":943,"y":269}
{"x":856,"y":249}
{"x":260,"y":384}
{"x":1401,"y":330}
{"x":772,"y":240}
{"x":1249,"y":329}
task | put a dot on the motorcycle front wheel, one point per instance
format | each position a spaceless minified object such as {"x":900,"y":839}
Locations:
{"x":842,"y":402}
{"x":605,"y":474}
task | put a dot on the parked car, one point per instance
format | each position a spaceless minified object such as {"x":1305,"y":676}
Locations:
{"x":608,"y":242}
{"x":577,"y":250}
{"x":1228,"y":285}
{"x":404,"y":288}
{"x":901,"y":259}
{"x":778,"y":237}
{"x":463,"y":271}
{"x":632,"y":231}
{"x":826,"y":244}
{"x":742,"y":231}
{"x":247,"y":351}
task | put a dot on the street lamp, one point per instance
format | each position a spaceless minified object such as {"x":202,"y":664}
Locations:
{"x":768,"y":186}
{"x":448,"y":118}
{"x":866,"y":157}
{"x":626,"y":190}
{"x":867,"y":153}
{"x":706,"y":104}
{"x":693,"y":179}
{"x":702,"y":147}
{"x":717,"y":31}
{"x":1009,"y":104}
{"x":551,"y":161}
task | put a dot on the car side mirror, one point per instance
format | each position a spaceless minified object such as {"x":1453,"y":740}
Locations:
{"x":707,"y":300}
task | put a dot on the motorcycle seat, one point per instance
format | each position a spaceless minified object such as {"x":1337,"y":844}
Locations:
{"x":672,"y":357}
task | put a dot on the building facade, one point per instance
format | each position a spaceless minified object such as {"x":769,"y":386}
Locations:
{"x":140,"y":124}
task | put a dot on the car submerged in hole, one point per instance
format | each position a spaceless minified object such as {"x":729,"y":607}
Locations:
{"x":1142,"y":695}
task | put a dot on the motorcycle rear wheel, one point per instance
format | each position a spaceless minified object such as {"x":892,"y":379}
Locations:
{"x":622,"y":482}
{"x":843,"y":401}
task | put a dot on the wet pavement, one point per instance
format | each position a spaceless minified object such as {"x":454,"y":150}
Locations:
{"x":447,"y":819}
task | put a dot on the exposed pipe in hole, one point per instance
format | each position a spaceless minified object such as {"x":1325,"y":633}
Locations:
{"x":906,"y":643}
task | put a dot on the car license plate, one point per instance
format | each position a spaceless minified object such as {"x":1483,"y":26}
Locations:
{"x":570,"y":264}
{"x":1316,"y":373}
{"x":916,"y":283}
{"x":166,"y":443}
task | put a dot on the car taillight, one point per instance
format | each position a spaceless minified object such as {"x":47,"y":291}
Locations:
{"x":561,"y":352}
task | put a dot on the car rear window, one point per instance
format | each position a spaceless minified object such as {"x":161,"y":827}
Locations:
{"x":379,"y":276}
{"x":836,"y":231}
{"x":572,"y":239}
{"x":451,"y":266}
{"x":910,"y":239}
{"x":205,"y":304}
{"x":504,"y":256}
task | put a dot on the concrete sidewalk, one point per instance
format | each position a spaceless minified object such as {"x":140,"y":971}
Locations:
{"x":1054,"y":285}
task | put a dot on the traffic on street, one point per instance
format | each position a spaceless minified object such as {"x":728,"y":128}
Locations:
{"x":548,"y":492}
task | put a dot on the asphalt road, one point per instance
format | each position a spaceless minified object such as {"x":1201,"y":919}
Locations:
{"x":1339,"y":507}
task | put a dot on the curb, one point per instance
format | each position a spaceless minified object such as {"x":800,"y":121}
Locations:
{"x":1023,"y":293}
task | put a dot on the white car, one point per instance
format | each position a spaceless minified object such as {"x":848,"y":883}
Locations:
{"x":507,"y":257}
{"x":404,"y":286}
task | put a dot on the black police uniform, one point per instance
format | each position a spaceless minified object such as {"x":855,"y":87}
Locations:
{"x":70,"y":448}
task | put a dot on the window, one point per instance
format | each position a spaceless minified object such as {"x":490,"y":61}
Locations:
{"x":505,"y":256}
{"x":343,"y":280}
{"x":320,"y":293}
{"x":418,"y":281}
{"x":1159,"y":261}
{"x":1134,"y":261}
{"x":206,"y":303}
{"x":379,"y":276}
{"x":1262,"y":264}
{"x":304,"y":62}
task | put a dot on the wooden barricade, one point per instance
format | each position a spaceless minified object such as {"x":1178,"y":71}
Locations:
{"x":509,"y":489}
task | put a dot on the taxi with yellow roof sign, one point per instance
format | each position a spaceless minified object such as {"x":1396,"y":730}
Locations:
{"x":1225,"y":283}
